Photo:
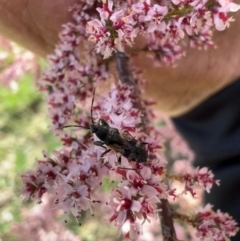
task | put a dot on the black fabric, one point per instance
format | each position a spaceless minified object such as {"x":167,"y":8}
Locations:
{"x":212,"y":130}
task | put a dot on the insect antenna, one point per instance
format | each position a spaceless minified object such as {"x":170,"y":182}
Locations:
{"x":92,"y":105}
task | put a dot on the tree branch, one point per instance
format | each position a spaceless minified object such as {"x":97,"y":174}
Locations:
{"x":124,"y":72}
{"x":166,"y":218}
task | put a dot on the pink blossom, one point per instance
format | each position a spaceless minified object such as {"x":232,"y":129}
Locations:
{"x":200,"y":178}
{"x":75,"y":173}
{"x":217,"y":225}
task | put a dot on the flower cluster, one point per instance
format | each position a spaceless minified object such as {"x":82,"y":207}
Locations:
{"x":70,"y":78}
{"x":74,"y":174}
{"x":199,"y":178}
{"x":214,"y":225}
{"x":161,"y":25}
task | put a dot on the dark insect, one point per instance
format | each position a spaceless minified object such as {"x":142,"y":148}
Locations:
{"x":133,"y":149}
{"x":120,"y":141}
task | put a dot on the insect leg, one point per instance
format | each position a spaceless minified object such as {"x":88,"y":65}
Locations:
{"x":132,"y":169}
{"x":102,"y":144}
{"x":119,"y":160}
{"x":99,"y":143}
{"x":104,"y":153}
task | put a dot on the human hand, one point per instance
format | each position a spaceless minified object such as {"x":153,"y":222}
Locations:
{"x":34,"y":24}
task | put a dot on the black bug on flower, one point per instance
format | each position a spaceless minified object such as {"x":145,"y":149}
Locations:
{"x":119,"y":141}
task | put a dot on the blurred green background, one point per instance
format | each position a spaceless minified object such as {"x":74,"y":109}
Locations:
{"x":24,"y":134}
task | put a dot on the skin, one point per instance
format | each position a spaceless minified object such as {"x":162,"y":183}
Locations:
{"x":35,"y":25}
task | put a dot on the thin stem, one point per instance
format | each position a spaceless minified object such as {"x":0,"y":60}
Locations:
{"x":184,"y":218}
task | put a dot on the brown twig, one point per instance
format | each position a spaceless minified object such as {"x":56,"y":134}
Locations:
{"x":126,"y":77}
{"x":124,"y":72}
{"x":166,"y":217}
{"x":185,"y":219}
